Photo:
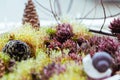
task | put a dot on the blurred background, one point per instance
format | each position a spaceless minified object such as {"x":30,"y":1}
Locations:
{"x":92,"y":13}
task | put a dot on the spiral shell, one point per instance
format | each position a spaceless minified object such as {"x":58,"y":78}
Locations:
{"x":102,"y":61}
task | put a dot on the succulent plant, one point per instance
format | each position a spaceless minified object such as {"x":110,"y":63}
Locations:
{"x":96,"y":43}
{"x":80,"y":40}
{"x":95,"y":40}
{"x":75,"y":57}
{"x":118,"y":36}
{"x":108,"y":45}
{"x":51,"y":69}
{"x":17,"y":50}
{"x":115,"y":26}
{"x":73,"y":72}
{"x":64,"y":32}
{"x":70,"y":44}
{"x":54,"y":44}
{"x":102,"y":61}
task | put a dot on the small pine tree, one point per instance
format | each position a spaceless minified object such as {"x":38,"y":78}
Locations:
{"x":30,"y":15}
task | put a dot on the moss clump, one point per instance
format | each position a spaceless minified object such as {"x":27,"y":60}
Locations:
{"x":33,"y":38}
{"x":3,"y":40}
{"x":4,"y":57}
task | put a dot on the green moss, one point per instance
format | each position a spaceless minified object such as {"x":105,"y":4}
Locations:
{"x":51,"y":31}
{"x":3,"y":40}
{"x":4,"y":57}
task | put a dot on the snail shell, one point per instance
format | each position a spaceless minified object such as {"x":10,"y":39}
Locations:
{"x":102,"y":61}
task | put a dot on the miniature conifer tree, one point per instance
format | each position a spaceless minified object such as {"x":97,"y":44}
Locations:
{"x":30,"y":15}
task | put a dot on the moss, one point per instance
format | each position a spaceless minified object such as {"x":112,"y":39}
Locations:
{"x":3,"y":40}
{"x":51,"y":31}
{"x":33,"y":38}
{"x":4,"y":57}
{"x":81,"y":31}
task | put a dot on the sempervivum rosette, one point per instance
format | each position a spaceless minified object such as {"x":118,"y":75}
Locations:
{"x":115,"y":27}
{"x":51,"y":69}
{"x":75,"y":57}
{"x":54,"y":44}
{"x":109,"y":45}
{"x":103,"y":43}
{"x":64,"y":32}
{"x":70,"y":44}
{"x":17,"y":50}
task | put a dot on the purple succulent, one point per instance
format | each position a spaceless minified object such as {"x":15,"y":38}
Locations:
{"x":54,"y":44}
{"x":115,"y":26}
{"x":75,"y":57}
{"x":70,"y":44}
{"x":51,"y":69}
{"x":64,"y":32}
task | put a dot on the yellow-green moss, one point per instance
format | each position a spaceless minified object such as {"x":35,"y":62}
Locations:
{"x":3,"y":40}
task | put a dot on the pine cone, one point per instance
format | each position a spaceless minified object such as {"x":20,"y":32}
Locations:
{"x":2,"y":68}
{"x":115,"y":26}
{"x":64,"y":32}
{"x":17,"y":50}
{"x":30,"y":15}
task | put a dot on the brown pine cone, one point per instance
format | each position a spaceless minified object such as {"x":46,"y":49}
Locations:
{"x":2,"y":68}
{"x":64,"y":32}
{"x":30,"y":15}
